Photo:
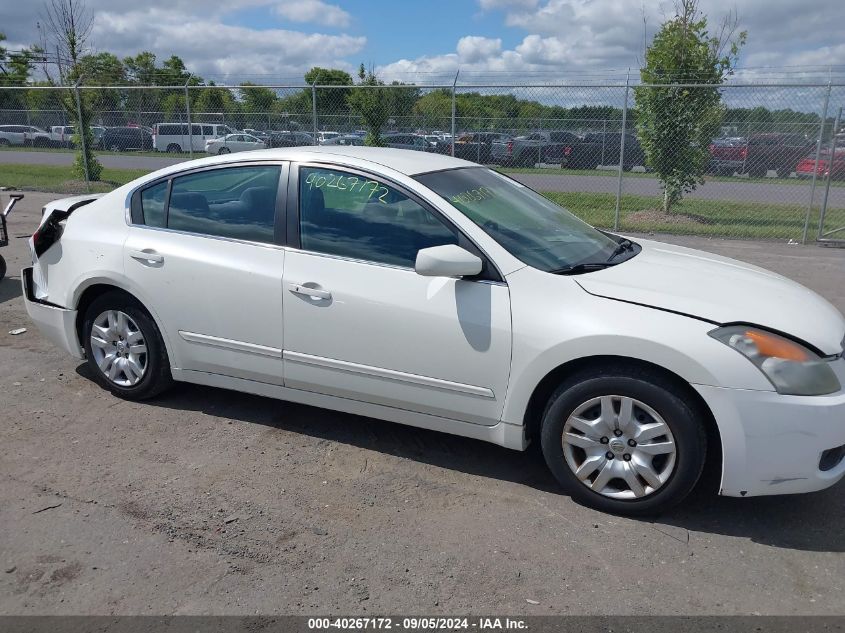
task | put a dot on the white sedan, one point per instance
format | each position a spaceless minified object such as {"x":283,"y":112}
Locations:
{"x":233,"y":143}
{"x":431,"y":291}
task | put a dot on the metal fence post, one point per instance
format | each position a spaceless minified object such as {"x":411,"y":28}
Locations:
{"x":830,"y":164}
{"x":454,"y":87}
{"x":622,"y":153}
{"x":81,"y":134}
{"x":188,"y":114}
{"x":816,"y":166}
{"x":314,"y":109}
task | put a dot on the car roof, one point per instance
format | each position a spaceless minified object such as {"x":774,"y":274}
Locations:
{"x":405,"y":161}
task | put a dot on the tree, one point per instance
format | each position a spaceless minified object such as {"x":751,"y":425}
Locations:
{"x":676,"y":122}
{"x":369,"y":103}
{"x":69,"y":23}
{"x":15,"y":69}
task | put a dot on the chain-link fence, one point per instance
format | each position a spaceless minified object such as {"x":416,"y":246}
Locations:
{"x":742,"y":161}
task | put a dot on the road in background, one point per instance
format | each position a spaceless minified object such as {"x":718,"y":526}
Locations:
{"x":735,"y":191}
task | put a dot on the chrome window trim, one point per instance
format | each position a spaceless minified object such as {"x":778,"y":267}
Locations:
{"x":368,"y":262}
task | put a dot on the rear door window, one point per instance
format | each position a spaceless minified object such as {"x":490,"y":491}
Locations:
{"x":235,"y":202}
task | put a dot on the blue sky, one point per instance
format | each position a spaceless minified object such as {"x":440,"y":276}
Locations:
{"x":429,"y":40}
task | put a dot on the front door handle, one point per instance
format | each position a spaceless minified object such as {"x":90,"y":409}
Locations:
{"x":147,"y":256}
{"x":314,"y":293}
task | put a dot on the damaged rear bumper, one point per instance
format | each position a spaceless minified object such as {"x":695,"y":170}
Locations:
{"x":57,"y":324}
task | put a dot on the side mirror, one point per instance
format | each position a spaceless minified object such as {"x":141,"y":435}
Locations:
{"x":447,"y":261}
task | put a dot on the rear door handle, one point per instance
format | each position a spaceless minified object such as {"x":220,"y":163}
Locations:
{"x":316,"y":293}
{"x":147,"y":256}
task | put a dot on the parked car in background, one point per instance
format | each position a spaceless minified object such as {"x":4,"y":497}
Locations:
{"x":345,"y":139}
{"x":759,"y":154}
{"x":233,"y":143}
{"x":288,"y":139}
{"x":408,"y":141}
{"x":324,"y":136}
{"x":727,"y":155}
{"x":10,"y":137}
{"x":431,"y":291}
{"x":597,"y":148}
{"x":529,"y":149}
{"x":177,"y":137}
{"x":122,"y":139}
{"x":834,"y":165}
{"x":32,"y":136}
{"x":61,"y":135}
{"x":477,"y":146}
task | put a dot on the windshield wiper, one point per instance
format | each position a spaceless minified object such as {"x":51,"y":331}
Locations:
{"x":586,"y":267}
{"x":624,"y":245}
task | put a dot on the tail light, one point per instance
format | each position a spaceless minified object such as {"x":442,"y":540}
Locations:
{"x":510,"y":147}
{"x":743,"y":153}
{"x":567,"y":150}
{"x":50,"y":231}
{"x":711,"y":147}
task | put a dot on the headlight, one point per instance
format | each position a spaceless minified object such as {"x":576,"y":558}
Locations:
{"x":790,"y":367}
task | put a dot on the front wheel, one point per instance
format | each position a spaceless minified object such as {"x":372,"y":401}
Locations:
{"x":124,"y":348}
{"x":624,"y":441}
{"x":223,"y":150}
{"x":2,"y":268}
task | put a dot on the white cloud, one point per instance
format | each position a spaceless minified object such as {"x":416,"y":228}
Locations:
{"x":473,"y":48}
{"x":315,"y":11}
{"x":206,"y":36}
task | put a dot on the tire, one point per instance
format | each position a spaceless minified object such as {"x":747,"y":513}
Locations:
{"x":114,"y":147}
{"x":173,"y":148}
{"x":2,"y":268}
{"x":4,"y":142}
{"x":223,"y":150}
{"x":155,"y":376}
{"x":656,"y":401}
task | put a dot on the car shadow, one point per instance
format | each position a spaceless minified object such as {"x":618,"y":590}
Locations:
{"x":809,"y":522}
{"x":10,"y":288}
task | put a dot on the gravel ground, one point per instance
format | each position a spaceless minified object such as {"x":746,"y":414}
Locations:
{"x":212,"y":502}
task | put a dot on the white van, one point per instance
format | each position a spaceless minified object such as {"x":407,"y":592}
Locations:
{"x":174,"y":137}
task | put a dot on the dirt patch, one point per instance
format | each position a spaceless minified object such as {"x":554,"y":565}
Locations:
{"x":655,"y":217}
{"x":66,"y":573}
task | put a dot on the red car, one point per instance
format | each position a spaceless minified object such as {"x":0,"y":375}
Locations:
{"x":836,"y":167}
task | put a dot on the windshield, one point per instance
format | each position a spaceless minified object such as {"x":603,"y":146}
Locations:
{"x":532,"y":228}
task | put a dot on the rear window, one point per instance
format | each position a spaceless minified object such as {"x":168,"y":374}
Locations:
{"x":152,"y":204}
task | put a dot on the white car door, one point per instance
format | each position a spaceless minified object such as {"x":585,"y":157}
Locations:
{"x":361,"y":324}
{"x":206,"y":252}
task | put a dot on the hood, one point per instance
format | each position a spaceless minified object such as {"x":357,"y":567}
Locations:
{"x":721,"y":290}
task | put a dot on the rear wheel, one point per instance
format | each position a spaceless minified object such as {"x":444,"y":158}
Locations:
{"x":223,"y":150}
{"x":4,"y":142}
{"x":2,"y":268}
{"x":124,"y":348}
{"x":624,"y":441}
{"x":173,"y":148}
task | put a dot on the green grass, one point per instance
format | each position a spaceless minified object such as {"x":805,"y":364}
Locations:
{"x":721,"y":218}
{"x":101,"y":152}
{"x":605,"y":173}
{"x":58,"y":178}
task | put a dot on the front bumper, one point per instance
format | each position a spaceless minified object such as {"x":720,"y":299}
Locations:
{"x":773,"y":444}
{"x":57,"y":324}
